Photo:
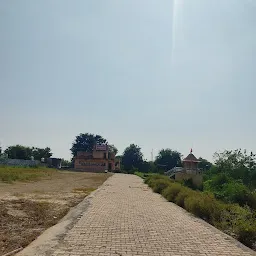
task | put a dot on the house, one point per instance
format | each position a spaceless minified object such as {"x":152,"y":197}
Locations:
{"x":189,"y":170}
{"x":99,"y":160}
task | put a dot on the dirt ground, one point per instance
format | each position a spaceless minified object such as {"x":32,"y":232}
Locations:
{"x":27,"y":209}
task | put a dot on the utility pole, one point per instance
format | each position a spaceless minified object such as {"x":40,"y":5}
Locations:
{"x":152,"y":156}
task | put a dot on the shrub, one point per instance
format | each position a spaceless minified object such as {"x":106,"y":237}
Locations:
{"x":204,"y":206}
{"x":160,"y":185}
{"x":251,"y":200}
{"x":172,"y":191}
{"x":180,"y":198}
{"x":233,"y":219}
{"x":246,"y":233}
{"x":153,"y":178}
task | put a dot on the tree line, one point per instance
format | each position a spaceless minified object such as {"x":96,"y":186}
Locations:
{"x":132,"y":159}
{"x":26,"y":153}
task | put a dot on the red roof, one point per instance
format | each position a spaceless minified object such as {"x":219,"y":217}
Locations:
{"x":191,"y":158}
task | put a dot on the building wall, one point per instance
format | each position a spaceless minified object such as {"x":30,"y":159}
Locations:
{"x":20,"y":162}
{"x":99,"y":154}
{"x":91,"y":165}
{"x":83,"y":153}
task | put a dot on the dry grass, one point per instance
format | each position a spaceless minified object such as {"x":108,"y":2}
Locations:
{"x":10,"y":174}
{"x":83,"y":190}
{"x":27,"y":209}
{"x":21,"y":221}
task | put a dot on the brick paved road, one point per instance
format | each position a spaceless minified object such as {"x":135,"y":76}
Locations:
{"x":127,"y":218}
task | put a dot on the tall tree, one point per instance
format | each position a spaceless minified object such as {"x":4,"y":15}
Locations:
{"x":86,"y":142}
{"x":237,"y":164}
{"x":168,"y":159}
{"x":204,"y":164}
{"x":19,"y":152}
{"x":39,"y":153}
{"x":132,"y":157}
{"x":112,"y":149}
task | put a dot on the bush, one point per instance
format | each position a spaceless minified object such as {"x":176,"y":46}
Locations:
{"x":204,"y":206}
{"x":251,"y":200}
{"x":153,"y":178}
{"x":172,"y":191}
{"x":246,"y":233}
{"x":233,"y":219}
{"x":189,"y":183}
{"x":182,"y":195}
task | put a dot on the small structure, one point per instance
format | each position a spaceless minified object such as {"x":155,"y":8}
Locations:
{"x":99,"y":160}
{"x":189,"y":170}
{"x":53,"y":162}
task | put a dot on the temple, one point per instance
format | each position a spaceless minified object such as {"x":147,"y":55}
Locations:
{"x":98,"y":160}
{"x":189,"y":170}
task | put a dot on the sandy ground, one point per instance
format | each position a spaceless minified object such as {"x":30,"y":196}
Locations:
{"x":27,"y":209}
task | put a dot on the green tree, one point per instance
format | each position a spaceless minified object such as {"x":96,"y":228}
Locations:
{"x":237,"y":164}
{"x":112,"y":149}
{"x":86,"y":142}
{"x":39,"y":153}
{"x":204,"y":164}
{"x":19,"y":152}
{"x":168,"y":159}
{"x":132,"y":157}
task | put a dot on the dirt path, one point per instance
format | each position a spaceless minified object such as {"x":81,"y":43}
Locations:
{"x":125,"y":217}
{"x":27,"y":209}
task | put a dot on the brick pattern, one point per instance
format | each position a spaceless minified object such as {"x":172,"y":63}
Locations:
{"x":126,"y":218}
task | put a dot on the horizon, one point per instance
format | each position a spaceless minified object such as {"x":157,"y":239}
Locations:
{"x":167,"y":74}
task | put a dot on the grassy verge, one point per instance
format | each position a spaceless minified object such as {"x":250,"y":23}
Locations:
{"x":144,"y":175}
{"x":237,"y":221}
{"x":10,"y":174}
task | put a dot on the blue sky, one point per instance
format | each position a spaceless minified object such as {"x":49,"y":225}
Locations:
{"x":153,"y":73}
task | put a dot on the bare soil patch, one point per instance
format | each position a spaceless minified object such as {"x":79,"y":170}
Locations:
{"x":28,"y":208}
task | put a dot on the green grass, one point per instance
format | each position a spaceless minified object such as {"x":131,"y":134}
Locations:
{"x":10,"y":174}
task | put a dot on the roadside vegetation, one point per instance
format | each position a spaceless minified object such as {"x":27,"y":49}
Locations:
{"x":227,"y":199}
{"x":235,"y":220}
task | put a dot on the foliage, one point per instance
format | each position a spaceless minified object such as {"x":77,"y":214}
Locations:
{"x":26,"y":153}
{"x":233,"y":177}
{"x":168,"y":159}
{"x":39,"y":153}
{"x":140,"y":174}
{"x":172,"y":191}
{"x":240,"y":222}
{"x":237,"y":165}
{"x":19,"y":152}
{"x":189,"y":183}
{"x":132,"y":157}
{"x":86,"y":142}
{"x":204,"y":164}
{"x":112,"y":149}
{"x":160,"y":185}
{"x":181,"y":196}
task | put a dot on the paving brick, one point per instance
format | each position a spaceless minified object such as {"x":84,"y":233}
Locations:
{"x":126,"y":218}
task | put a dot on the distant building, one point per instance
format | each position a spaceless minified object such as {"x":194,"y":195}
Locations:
{"x":54,"y":162}
{"x":99,"y":160}
{"x":189,"y":170}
